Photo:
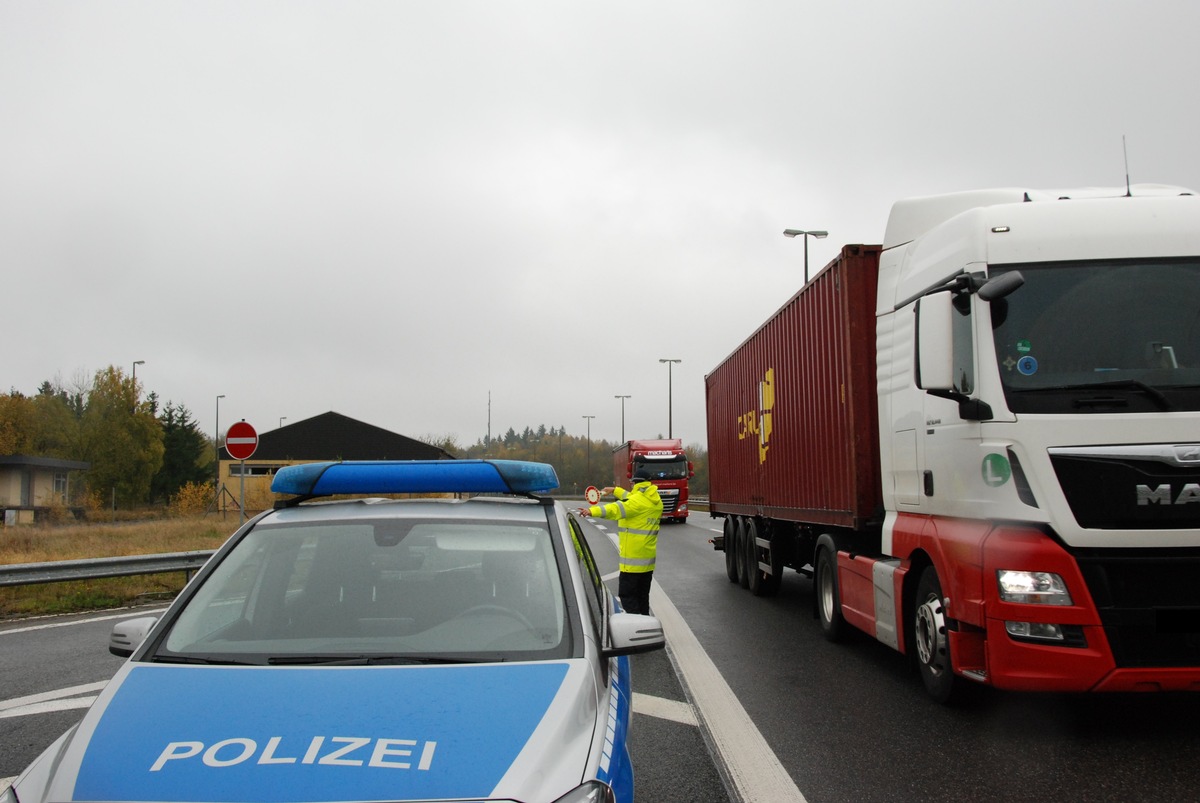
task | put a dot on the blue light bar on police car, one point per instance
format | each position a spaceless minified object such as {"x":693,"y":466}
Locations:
{"x":415,"y":476}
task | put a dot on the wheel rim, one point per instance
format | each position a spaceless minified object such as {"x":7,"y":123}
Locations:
{"x":826,"y":589}
{"x":931,"y":634}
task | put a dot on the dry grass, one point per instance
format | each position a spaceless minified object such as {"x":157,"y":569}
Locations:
{"x":77,"y":542}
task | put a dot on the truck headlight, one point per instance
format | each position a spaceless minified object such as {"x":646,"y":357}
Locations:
{"x":1032,"y":588}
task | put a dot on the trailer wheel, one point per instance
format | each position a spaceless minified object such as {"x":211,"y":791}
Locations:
{"x":762,"y":584}
{"x":730,"y":547}
{"x":825,"y":587}
{"x":930,"y":638}
{"x":739,"y":539}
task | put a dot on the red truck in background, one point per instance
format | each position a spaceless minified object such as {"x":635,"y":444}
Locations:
{"x":669,"y":470}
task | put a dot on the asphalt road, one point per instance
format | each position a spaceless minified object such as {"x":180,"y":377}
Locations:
{"x":845,"y":722}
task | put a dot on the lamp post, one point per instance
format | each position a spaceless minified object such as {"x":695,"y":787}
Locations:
{"x":217,"y":442}
{"x":820,"y":235}
{"x":136,"y":363}
{"x":622,"y":398}
{"x":282,"y":418}
{"x":589,"y":446}
{"x":669,"y":363}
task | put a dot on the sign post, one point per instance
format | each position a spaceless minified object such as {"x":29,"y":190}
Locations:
{"x":241,"y":441}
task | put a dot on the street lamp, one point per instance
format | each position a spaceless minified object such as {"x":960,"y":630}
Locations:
{"x":136,"y":363}
{"x":820,"y":235}
{"x":217,"y":440}
{"x":589,"y":446}
{"x":282,"y":418}
{"x":622,"y":398}
{"x":669,"y":363}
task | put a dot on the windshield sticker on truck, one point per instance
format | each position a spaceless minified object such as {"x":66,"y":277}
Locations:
{"x":1027,"y":365}
{"x":1024,"y":346}
{"x":996,"y":470}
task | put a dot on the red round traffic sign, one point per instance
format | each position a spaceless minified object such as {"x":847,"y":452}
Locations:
{"x":241,"y":440}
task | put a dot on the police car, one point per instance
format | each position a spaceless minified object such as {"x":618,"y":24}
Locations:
{"x":373,"y":649}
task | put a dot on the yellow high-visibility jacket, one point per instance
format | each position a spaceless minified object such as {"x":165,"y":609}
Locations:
{"x":638,"y":513}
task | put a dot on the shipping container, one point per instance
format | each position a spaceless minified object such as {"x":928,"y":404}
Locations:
{"x":793,"y":425}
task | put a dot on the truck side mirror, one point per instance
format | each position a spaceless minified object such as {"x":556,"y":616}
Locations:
{"x":935,"y":342}
{"x":691,"y":470}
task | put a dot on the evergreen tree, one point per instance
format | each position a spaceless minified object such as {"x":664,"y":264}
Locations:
{"x":187,"y":454}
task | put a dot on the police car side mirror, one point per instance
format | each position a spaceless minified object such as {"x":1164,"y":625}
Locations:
{"x":128,"y":635}
{"x":630,"y":633}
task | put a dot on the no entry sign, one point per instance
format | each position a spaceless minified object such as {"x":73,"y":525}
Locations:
{"x":241,"y":440}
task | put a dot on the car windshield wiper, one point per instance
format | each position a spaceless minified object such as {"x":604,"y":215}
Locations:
{"x":1154,"y":393}
{"x":192,"y":659}
{"x":370,"y":660}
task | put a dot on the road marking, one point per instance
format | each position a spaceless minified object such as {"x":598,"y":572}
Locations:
{"x":662,"y":708}
{"x":49,"y":625}
{"x":749,"y":762}
{"x":47,"y":701}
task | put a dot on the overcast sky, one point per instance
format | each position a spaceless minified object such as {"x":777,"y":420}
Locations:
{"x":391,"y":210}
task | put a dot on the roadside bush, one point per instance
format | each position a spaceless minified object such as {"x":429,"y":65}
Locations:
{"x":191,"y":499}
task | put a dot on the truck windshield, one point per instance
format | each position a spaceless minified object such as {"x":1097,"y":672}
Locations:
{"x":1109,"y":336}
{"x":675,"y":469}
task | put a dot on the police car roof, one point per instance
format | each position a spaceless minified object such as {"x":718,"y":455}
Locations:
{"x":415,"y":476}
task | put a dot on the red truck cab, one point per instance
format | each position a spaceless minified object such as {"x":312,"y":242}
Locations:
{"x":668,"y":467}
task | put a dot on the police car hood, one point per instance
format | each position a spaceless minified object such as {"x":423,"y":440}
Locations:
{"x":196,"y":733}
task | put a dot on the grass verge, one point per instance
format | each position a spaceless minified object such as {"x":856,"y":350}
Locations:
{"x":78,"y":542}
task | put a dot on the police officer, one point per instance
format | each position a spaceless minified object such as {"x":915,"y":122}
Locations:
{"x":637,"y":512}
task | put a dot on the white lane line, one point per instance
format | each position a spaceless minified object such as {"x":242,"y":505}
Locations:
{"x":662,"y":708}
{"x":48,"y":625}
{"x":57,"y":700}
{"x":48,"y":707}
{"x":751,"y":765}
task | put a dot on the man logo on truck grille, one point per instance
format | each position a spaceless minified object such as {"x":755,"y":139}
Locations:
{"x":758,"y":422}
{"x":1166,"y":495}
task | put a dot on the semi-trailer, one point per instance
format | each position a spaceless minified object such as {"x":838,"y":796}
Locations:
{"x":981,"y":440}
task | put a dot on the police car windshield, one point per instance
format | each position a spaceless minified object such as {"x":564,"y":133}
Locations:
{"x":373,"y":590}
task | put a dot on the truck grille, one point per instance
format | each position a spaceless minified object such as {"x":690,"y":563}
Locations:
{"x":1131,"y":488}
{"x":1149,"y":603}
{"x":670,"y":500}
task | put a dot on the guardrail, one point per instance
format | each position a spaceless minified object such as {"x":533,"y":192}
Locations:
{"x":25,"y":574}
{"x":28,"y":574}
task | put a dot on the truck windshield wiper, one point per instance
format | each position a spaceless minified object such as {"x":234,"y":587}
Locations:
{"x":1154,"y":393}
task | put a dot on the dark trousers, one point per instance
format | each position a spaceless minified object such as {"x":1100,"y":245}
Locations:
{"x":634,"y":590}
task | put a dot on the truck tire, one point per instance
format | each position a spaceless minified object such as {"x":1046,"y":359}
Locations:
{"x":730,"y":547}
{"x":762,"y":584}
{"x":825,"y":589}
{"x":739,"y":538}
{"x":930,"y":638}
